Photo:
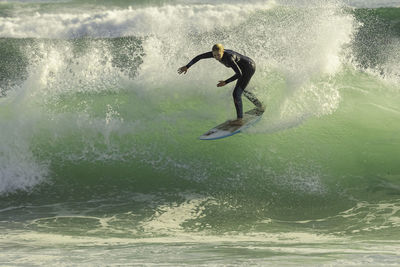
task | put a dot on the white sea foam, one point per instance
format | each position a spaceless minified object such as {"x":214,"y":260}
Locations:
{"x":126,"y":22}
{"x":200,"y":249}
{"x":19,"y":168}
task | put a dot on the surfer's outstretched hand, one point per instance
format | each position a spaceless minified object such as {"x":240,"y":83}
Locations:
{"x":183,"y":70}
{"x":221,"y":83}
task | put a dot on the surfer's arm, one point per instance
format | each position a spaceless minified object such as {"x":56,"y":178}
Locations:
{"x":184,"y":69}
{"x":197,"y":58}
{"x":237,"y":70}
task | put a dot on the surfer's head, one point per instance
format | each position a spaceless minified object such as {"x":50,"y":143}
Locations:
{"x":218,"y":51}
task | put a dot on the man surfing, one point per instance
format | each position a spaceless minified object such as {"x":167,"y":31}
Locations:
{"x":244,"y":68}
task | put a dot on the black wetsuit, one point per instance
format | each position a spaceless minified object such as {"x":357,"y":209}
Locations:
{"x":244,"y":68}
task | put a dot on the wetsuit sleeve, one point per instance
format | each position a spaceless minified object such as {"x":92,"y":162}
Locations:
{"x":197,"y":58}
{"x":236,"y":68}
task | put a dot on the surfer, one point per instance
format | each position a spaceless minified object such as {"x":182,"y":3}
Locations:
{"x":244,"y":68}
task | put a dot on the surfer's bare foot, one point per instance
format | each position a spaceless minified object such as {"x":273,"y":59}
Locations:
{"x":237,"y":122}
{"x":261,"y":108}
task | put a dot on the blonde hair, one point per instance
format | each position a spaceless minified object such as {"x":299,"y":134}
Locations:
{"x":218,"y":47}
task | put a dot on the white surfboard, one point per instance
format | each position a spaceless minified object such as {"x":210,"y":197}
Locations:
{"x":225,"y":129}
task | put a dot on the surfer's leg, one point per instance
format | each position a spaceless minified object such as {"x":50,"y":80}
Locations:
{"x":243,"y":84}
{"x":253,"y":99}
{"x":237,"y":99}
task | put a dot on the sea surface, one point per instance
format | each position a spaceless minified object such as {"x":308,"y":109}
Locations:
{"x":100,"y":162}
